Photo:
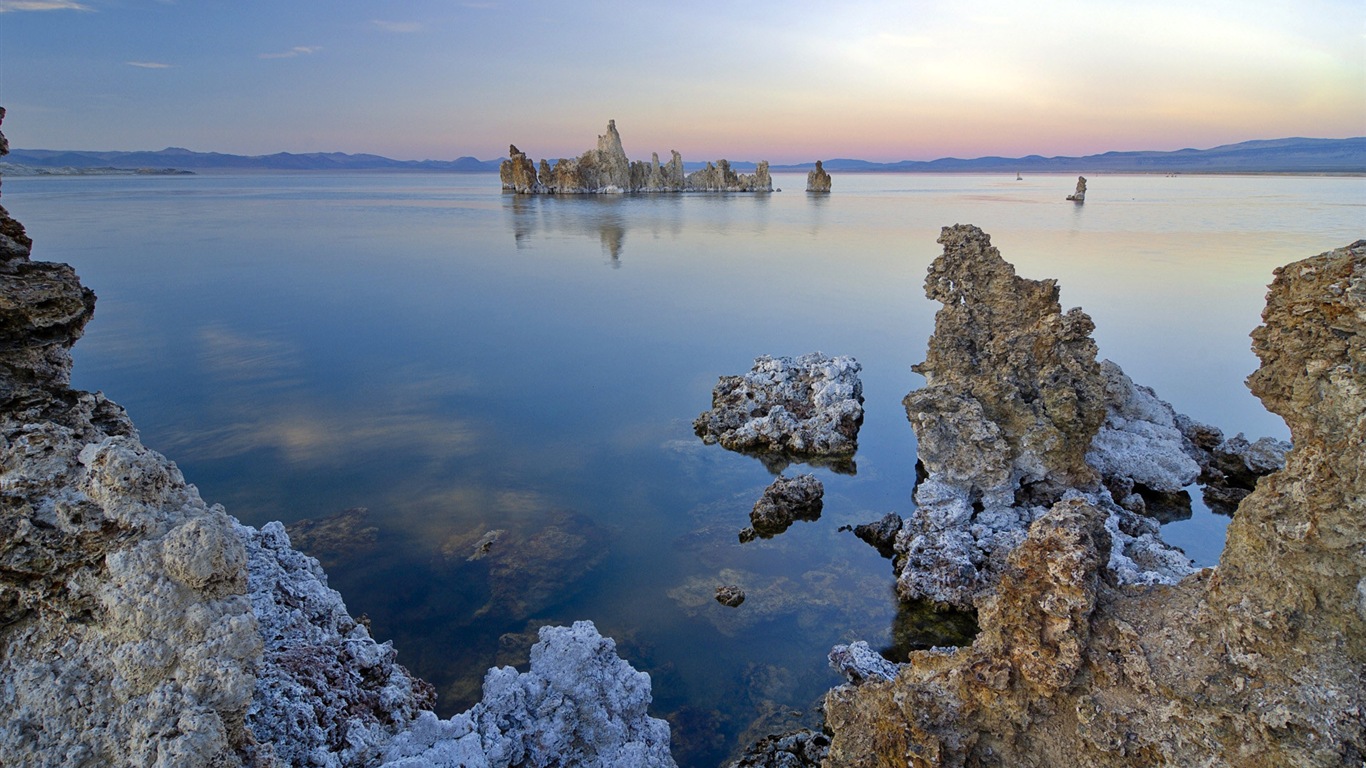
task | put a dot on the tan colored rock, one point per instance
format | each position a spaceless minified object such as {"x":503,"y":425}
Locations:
{"x":606,"y":169}
{"x":1255,"y":663}
{"x":518,"y":173}
{"x":1080,"y":195}
{"x":817,"y":180}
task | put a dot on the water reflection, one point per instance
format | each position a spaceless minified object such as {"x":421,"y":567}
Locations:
{"x":602,"y":216}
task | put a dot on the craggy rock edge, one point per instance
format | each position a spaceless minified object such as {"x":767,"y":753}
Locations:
{"x":607,"y":170}
{"x":141,"y":626}
{"x":1257,"y":663}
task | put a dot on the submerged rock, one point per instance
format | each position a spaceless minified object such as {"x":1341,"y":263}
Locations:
{"x":607,"y":170}
{"x":1012,"y":403}
{"x":1255,"y":663}
{"x":804,"y":408}
{"x":335,"y":538}
{"x":817,"y":180}
{"x":1080,"y":195}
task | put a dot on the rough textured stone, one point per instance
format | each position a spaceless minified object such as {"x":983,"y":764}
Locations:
{"x":817,"y":180}
{"x":803,"y":748}
{"x":607,"y":170}
{"x":1012,"y":402}
{"x":1230,"y":468}
{"x":518,"y":173}
{"x":1080,"y":195}
{"x":1255,"y":663}
{"x":785,"y":501}
{"x":730,"y":596}
{"x":1139,"y":439}
{"x":881,"y":534}
{"x":578,"y":705}
{"x":805,"y":408}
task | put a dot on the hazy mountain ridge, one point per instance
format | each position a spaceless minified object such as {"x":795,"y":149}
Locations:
{"x":1288,"y":155}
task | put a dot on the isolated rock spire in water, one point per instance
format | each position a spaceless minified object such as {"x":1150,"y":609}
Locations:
{"x":1256,"y":663}
{"x":817,"y":180}
{"x":1080,"y":195}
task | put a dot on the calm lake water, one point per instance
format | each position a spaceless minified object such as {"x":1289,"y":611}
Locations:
{"x":462,"y":362}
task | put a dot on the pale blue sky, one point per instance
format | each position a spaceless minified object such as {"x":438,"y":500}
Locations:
{"x":786,"y":81}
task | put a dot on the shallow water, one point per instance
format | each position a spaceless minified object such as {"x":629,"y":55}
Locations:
{"x":460,"y":362}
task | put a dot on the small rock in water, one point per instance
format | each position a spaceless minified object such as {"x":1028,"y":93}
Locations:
{"x":730,"y":596}
{"x":785,"y":501}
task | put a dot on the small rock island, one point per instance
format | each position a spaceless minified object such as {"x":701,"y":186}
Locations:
{"x":607,"y":170}
{"x":1080,"y":195}
{"x":818,"y":180}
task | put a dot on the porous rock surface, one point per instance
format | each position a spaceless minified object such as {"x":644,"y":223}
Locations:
{"x":817,"y":179}
{"x":785,"y":501}
{"x":805,"y":407}
{"x":141,"y":626}
{"x":1255,"y":663}
{"x":1013,"y":400}
{"x":606,"y":170}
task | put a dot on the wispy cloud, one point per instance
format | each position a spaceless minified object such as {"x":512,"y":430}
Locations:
{"x":6,"y":6}
{"x":148,"y":64}
{"x":396,"y":26}
{"x":298,"y":50}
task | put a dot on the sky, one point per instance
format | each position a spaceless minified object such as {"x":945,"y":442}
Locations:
{"x":789,"y":81}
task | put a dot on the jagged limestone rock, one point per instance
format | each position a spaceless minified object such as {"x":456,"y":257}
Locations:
{"x":1080,"y":195}
{"x":808,"y":407}
{"x":817,"y":180}
{"x":1012,"y":401}
{"x":1256,"y":663}
{"x":518,"y":173}
{"x":785,"y":501}
{"x":606,"y":170}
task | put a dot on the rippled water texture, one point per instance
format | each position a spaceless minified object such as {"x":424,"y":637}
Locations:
{"x":507,"y":384}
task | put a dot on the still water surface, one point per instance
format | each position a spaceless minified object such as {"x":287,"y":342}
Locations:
{"x":462,"y":362}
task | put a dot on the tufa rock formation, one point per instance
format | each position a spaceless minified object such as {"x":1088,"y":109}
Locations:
{"x":785,"y":501}
{"x":1256,"y":663}
{"x":1080,"y":195}
{"x":730,"y":595}
{"x":807,"y":408}
{"x":1012,"y":401}
{"x":817,"y":180}
{"x":141,"y":626}
{"x":606,"y":169}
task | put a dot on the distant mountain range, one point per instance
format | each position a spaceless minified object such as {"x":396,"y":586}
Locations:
{"x":1295,"y":155}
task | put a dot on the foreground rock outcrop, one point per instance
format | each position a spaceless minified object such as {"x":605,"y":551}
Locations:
{"x":807,"y":408}
{"x":1013,"y":400}
{"x":1256,"y":663}
{"x":141,"y":626}
{"x":606,"y":170}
